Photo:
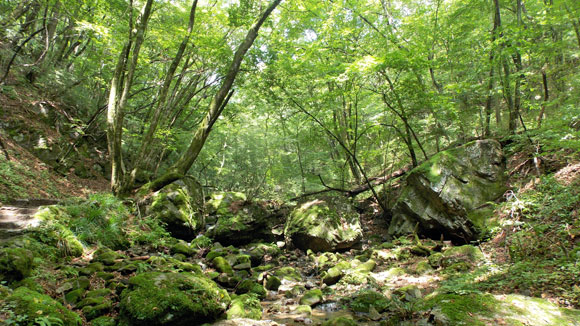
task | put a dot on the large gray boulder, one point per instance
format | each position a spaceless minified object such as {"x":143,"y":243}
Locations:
{"x":329,"y":224}
{"x":180,"y":207}
{"x":238,"y":221}
{"x":447,"y":195}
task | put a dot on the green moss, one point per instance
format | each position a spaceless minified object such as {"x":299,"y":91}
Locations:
{"x":340,"y":321}
{"x":245,"y":306}
{"x":36,"y":305}
{"x":74,"y":296}
{"x":15,"y":264}
{"x":408,"y":293}
{"x":395,"y":272}
{"x":182,"y":247}
{"x":273,"y":283}
{"x":93,"y":311}
{"x":222,"y":265}
{"x":220,"y":202}
{"x":106,"y":256}
{"x":435,"y":259}
{"x":479,"y":309}
{"x":332,"y":276}
{"x":172,"y":299}
{"x":220,"y":252}
{"x":364,"y":299}
{"x":367,"y":266}
{"x":323,"y":225}
{"x":466,"y":253}
{"x":288,"y":273}
{"x":250,"y":286}
{"x":104,"y":321}
{"x":423,"y":267}
{"x":258,"y":251}
{"x":311,"y":297}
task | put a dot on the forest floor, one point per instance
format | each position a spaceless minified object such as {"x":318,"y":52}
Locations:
{"x":526,"y":271}
{"x":523,"y":274}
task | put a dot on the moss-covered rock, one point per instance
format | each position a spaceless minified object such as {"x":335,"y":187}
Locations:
{"x":332,"y":276}
{"x":74,"y":296}
{"x":106,"y":256}
{"x":444,"y":194}
{"x":33,"y":305}
{"x":262,"y":252}
{"x":15,"y":264}
{"x":273,"y":283}
{"x":340,"y":321}
{"x":54,"y":232}
{"x":251,"y":286}
{"x":104,"y":321}
{"x":408,"y":293}
{"x":222,"y":265}
{"x":180,"y":206}
{"x":479,"y":309}
{"x":95,"y":307}
{"x":365,"y":299}
{"x":323,"y":225}
{"x":242,"y":262}
{"x":239,"y":221}
{"x":367,"y":266}
{"x":182,"y":247}
{"x":435,"y":260}
{"x":155,"y":298}
{"x":422,"y":267}
{"x":245,"y":306}
{"x":288,"y":273}
{"x":311,"y":297}
{"x":305,"y":310}
{"x":91,"y":269}
{"x":467,"y":253}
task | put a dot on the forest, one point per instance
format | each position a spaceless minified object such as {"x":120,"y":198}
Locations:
{"x":289,"y":162}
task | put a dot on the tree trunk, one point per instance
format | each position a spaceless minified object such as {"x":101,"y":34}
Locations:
{"x":489,"y":99}
{"x":184,"y":163}
{"x":120,"y":88}
{"x":546,"y":98}
{"x":147,"y":141}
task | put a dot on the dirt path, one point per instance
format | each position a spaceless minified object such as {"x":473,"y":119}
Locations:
{"x":19,"y":215}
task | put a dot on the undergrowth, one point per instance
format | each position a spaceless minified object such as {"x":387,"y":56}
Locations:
{"x":100,"y":220}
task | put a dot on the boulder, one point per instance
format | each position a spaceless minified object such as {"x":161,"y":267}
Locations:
{"x":239,"y":221}
{"x":155,"y":298}
{"x":331,"y":224}
{"x":447,"y":195}
{"x":180,"y":207}
{"x":33,"y":306}
{"x":15,"y":264}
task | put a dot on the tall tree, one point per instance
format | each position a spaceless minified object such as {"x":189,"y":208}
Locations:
{"x":215,"y":109}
